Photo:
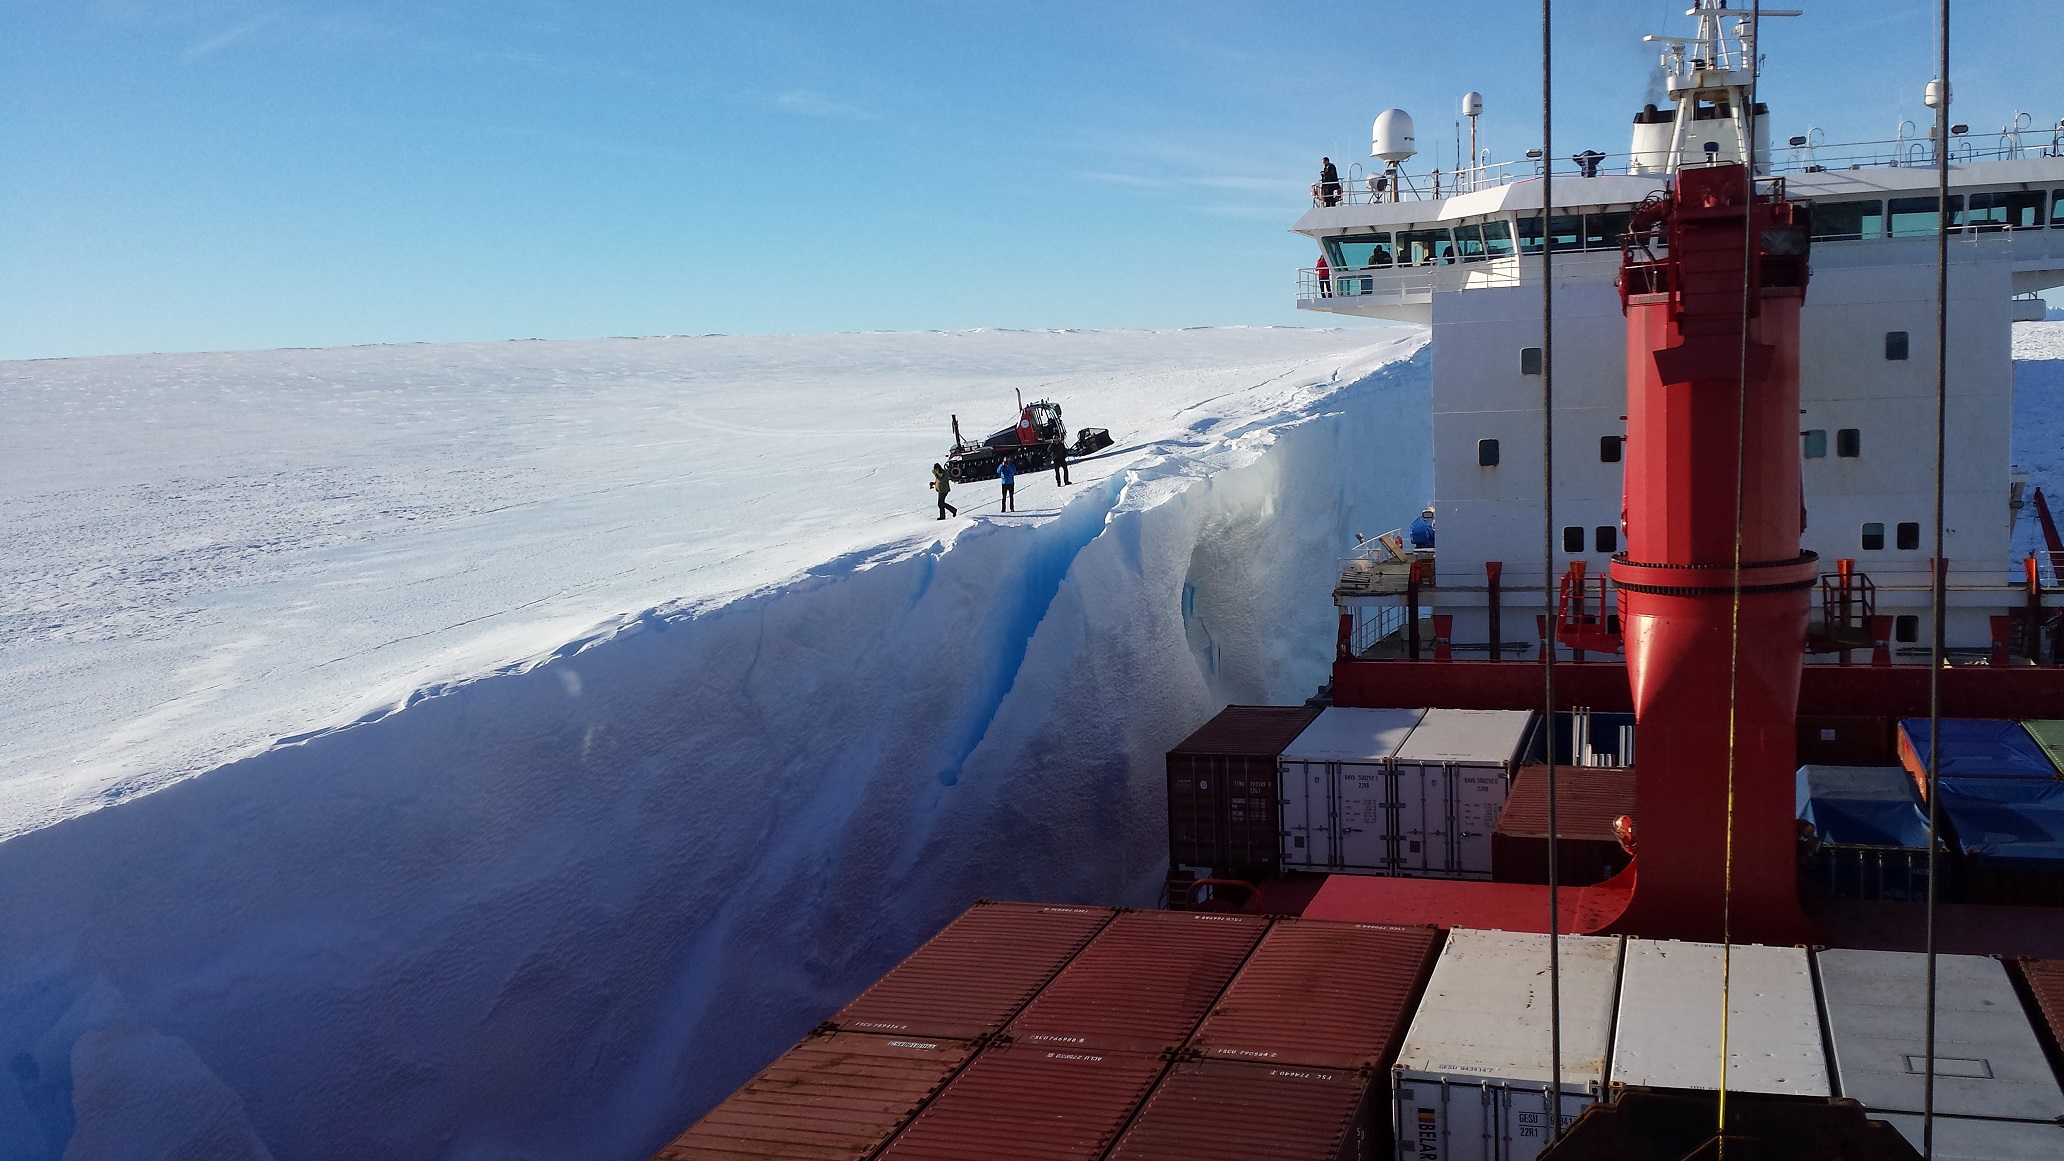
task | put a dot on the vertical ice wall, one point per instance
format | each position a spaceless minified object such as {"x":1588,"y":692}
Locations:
{"x":556,"y":914}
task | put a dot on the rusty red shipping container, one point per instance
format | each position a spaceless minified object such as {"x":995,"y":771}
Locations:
{"x":1019,"y":1102}
{"x":1321,"y":994}
{"x":1142,"y":984}
{"x":1587,"y":799}
{"x":1222,"y":792}
{"x":834,"y":1097}
{"x":2044,"y":979}
{"x":1229,"y":1110}
{"x":970,"y":979}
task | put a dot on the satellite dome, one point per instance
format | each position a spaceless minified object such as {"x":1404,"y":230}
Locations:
{"x":1391,"y":137}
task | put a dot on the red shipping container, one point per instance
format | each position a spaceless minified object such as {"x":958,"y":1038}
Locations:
{"x":2045,"y":982}
{"x":1587,"y":799}
{"x":1017,"y":1102}
{"x":1222,"y":793}
{"x":1320,"y":994}
{"x":1227,"y":1110}
{"x":834,"y":1097}
{"x":1142,"y":984}
{"x":970,"y":979}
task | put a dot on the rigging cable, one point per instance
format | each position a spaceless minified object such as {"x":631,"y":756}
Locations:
{"x":1554,"y":616}
{"x":1939,"y":566}
{"x":1741,"y":433}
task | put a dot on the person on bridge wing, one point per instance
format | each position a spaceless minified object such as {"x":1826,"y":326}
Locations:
{"x":942,"y":483}
{"x":1329,"y":183}
{"x":1060,"y":463}
{"x":1422,"y":529}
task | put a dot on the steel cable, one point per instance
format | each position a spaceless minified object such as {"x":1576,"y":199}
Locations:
{"x":1553,"y":618}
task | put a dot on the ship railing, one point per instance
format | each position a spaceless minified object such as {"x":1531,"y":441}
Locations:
{"x":2047,"y":565}
{"x":1808,"y":155}
{"x":1377,"y":285}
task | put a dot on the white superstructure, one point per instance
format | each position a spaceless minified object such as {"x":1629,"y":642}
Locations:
{"x":1461,"y":251}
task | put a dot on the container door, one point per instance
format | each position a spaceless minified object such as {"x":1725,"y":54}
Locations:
{"x":1364,"y":817}
{"x":1420,"y":813}
{"x":1295,"y":812}
{"x":1479,"y":796}
{"x":1522,"y":1129}
{"x":1441,"y":1121}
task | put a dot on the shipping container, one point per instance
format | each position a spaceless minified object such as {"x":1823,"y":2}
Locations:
{"x":1142,"y":984}
{"x":1222,"y":791}
{"x":1958,"y":1139}
{"x":1338,"y":791}
{"x":1321,"y":994}
{"x":1229,"y":1110}
{"x":1870,"y":832}
{"x":1018,"y":1101}
{"x":1471,"y":1080}
{"x":2044,"y":979}
{"x":1587,"y":800}
{"x":834,"y":1097}
{"x":2048,"y":733}
{"x":1976,"y":748}
{"x":1451,"y":776}
{"x":1988,"y":1062}
{"x":970,"y":979}
{"x":1668,"y":1030}
{"x":2010,"y":840}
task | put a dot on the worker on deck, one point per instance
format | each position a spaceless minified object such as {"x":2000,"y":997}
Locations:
{"x":1422,"y":529}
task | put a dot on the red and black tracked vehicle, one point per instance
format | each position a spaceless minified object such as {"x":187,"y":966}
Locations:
{"x":1030,"y":443}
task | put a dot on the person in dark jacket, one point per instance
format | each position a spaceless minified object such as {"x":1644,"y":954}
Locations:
{"x":1329,"y":183}
{"x":942,"y":484}
{"x":1007,"y":471}
{"x":1060,"y":463}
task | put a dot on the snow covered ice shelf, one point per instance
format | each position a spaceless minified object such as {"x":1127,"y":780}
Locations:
{"x":507,"y":748}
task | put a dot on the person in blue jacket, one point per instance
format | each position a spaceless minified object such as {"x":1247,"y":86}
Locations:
{"x":1007,"y":471}
{"x":1422,"y":529}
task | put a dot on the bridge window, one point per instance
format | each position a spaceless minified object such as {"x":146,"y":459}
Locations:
{"x":1606,"y":538}
{"x":1895,"y":344}
{"x":2007,"y":210}
{"x":2057,"y":210}
{"x":1497,"y":238}
{"x":1815,"y":443}
{"x":1909,"y":536}
{"x":1425,"y":247}
{"x":1907,"y":628}
{"x":1359,"y":251}
{"x":1573,"y":538}
{"x":1873,"y":538}
{"x":1530,"y":360}
{"x":1603,"y":231}
{"x":1848,"y":221}
{"x":1921,"y":217}
{"x":1487,"y":453}
{"x":1469,"y":242}
{"x":1849,"y":443}
{"x":1609,"y":448}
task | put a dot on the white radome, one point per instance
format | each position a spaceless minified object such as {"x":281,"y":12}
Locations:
{"x":1391,"y":138}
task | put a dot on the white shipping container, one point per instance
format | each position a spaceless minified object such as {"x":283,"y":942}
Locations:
{"x":1335,"y":782}
{"x":1452,"y":775}
{"x":1471,"y":1079}
{"x":1988,"y":1062}
{"x":1668,"y":1033}
{"x":1957,"y":1139}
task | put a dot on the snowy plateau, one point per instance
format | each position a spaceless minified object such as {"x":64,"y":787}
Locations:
{"x":502,"y":750}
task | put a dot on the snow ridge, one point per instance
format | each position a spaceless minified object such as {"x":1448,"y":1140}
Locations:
{"x":558,"y":911}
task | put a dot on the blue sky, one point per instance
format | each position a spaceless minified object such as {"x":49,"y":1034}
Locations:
{"x":218,"y":174}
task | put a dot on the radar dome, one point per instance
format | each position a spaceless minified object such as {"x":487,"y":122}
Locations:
{"x":1391,"y":138}
{"x":1472,"y":104}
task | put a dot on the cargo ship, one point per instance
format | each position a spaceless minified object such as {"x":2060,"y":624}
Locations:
{"x":1698,"y":795}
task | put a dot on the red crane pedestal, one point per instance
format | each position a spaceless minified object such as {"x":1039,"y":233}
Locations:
{"x":1712,"y":455}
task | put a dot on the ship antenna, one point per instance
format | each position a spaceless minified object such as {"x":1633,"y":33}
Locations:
{"x":1939,"y":583}
{"x":1548,"y":573}
{"x":1750,"y":236}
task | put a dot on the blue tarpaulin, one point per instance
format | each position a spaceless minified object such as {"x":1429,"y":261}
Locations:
{"x":1975,"y":748}
{"x":1862,"y":805}
{"x":2027,"y":833}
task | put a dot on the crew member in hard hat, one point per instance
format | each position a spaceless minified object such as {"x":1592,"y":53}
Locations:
{"x":1422,"y":529}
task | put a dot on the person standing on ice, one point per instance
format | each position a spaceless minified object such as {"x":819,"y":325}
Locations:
{"x":1060,"y":463}
{"x":1007,"y":471}
{"x":942,"y":484}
